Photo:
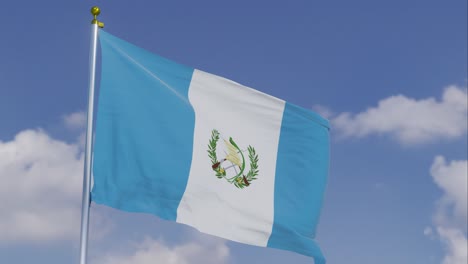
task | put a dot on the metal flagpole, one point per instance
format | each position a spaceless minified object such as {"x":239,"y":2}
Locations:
{"x":95,"y":24}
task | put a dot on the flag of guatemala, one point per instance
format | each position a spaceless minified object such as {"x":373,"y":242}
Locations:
{"x":198,"y":149}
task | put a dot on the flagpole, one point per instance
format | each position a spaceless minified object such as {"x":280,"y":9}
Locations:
{"x":86,"y":199}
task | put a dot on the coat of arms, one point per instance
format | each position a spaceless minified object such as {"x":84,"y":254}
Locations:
{"x":232,"y":165}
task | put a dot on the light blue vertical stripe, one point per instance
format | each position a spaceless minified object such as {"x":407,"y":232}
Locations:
{"x":300,"y":181}
{"x":144,"y":132}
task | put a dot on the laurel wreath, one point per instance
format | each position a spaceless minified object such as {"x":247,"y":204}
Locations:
{"x":240,"y":181}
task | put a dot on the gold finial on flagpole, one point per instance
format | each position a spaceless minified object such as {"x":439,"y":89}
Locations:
{"x":95,"y":11}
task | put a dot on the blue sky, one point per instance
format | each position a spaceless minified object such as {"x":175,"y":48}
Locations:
{"x":391,"y":77}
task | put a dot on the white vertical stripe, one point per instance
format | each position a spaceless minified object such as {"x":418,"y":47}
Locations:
{"x":213,"y":205}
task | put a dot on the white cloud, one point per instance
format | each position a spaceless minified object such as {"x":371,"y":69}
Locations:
{"x":411,"y":121}
{"x":75,"y":120}
{"x":450,"y":217}
{"x":41,"y":186}
{"x":151,"y":251}
{"x":40,"y":190}
{"x":452,"y":178}
{"x":456,"y":245}
{"x":323,"y":111}
{"x":428,"y":232}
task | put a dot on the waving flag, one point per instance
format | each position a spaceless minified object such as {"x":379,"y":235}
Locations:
{"x":198,"y":149}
